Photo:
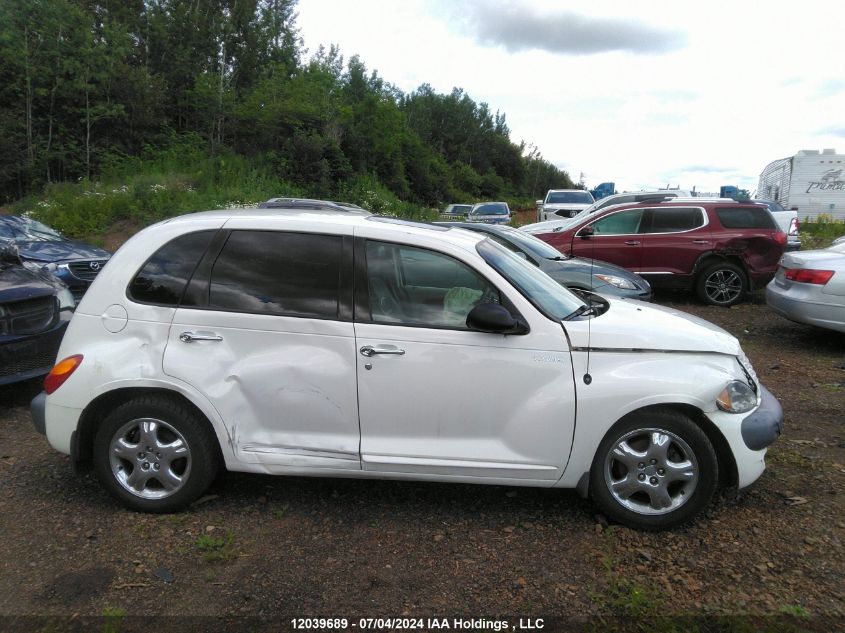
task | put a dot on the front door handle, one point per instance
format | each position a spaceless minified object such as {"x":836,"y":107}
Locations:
{"x":701,"y":241}
{"x":190,"y":337}
{"x":632,"y":243}
{"x":369,"y":350}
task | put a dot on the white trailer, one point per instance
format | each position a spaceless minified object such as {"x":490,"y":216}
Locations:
{"x":811,"y":182}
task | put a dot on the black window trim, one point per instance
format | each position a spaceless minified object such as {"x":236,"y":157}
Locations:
{"x":201,"y":280}
{"x":650,"y":214}
{"x":363,"y":313}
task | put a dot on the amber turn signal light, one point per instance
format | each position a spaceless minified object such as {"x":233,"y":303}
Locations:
{"x":61,"y":372}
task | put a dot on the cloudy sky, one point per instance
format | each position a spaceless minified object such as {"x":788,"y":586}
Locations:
{"x":643,"y":94}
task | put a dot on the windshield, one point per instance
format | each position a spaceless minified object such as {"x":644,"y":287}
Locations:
{"x":548,"y":296}
{"x":490,"y":208}
{"x":569,"y":197}
{"x":458,"y":209}
{"x":529,"y":243}
{"x":27,"y":229}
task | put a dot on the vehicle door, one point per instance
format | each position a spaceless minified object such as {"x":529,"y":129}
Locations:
{"x":265,"y":333}
{"x":616,"y":239}
{"x":673,"y":240}
{"x":437,"y":398}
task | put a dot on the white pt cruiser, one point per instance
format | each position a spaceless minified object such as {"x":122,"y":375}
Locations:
{"x":329,"y":343}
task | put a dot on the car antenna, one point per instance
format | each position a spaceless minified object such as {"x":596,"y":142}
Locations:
{"x":587,"y":377}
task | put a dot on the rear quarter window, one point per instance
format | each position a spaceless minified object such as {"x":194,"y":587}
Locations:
{"x":746,"y":218}
{"x":163,"y":278}
{"x":280,"y":273}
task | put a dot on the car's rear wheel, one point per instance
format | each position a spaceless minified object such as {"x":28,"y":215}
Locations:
{"x":655,"y":469}
{"x":155,"y":454}
{"x":721,"y":284}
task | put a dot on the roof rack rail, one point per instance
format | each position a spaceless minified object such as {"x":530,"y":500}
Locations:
{"x":307,"y":204}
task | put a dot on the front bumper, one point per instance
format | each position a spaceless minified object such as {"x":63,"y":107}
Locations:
{"x":25,"y":357}
{"x":748,"y":435}
{"x":765,"y":424}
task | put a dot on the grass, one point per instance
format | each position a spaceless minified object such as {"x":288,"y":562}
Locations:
{"x":181,"y":178}
{"x":820,"y":232}
{"x":216,"y":548}
{"x":112,"y":619}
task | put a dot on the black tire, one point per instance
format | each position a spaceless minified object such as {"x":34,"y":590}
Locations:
{"x":689,"y":497}
{"x":721,"y":284}
{"x":175,"y":421}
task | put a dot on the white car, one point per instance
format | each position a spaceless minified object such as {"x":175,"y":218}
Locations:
{"x":563,"y":203}
{"x":329,"y":344}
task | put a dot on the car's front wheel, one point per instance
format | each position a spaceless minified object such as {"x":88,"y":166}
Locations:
{"x":155,"y":454}
{"x":655,"y":469}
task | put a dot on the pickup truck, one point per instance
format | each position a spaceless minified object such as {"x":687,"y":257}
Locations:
{"x":787,"y":222}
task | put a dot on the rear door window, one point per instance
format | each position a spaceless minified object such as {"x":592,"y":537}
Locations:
{"x":745,"y":218}
{"x":274,"y":272}
{"x":675,"y":219}
{"x":163,"y":278}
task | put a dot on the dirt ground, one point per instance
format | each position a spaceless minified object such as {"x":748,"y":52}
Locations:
{"x":265,"y":546}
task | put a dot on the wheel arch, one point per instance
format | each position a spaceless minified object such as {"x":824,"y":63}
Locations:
{"x":712,"y":257}
{"x":728,"y":472}
{"x":99,"y":408}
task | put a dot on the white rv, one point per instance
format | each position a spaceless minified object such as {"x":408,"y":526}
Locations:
{"x":810,"y":182}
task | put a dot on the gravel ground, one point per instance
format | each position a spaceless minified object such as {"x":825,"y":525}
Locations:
{"x":264,"y":546}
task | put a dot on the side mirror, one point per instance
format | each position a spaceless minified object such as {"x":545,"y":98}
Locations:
{"x":586,"y":232}
{"x":539,"y":203}
{"x":9,"y":252}
{"x":494,"y":319}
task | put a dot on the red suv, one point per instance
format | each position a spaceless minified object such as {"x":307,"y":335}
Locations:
{"x":721,"y":249}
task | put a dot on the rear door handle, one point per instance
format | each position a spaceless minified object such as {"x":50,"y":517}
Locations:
{"x":369,"y":350}
{"x":190,"y":337}
{"x":701,"y":241}
{"x":632,"y":243}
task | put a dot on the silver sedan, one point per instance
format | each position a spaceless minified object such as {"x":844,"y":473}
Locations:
{"x":809,"y":287}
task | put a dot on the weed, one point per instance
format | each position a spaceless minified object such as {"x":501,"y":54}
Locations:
{"x":216,"y":548}
{"x":795,"y":610}
{"x":112,"y":618}
{"x":280,"y":512}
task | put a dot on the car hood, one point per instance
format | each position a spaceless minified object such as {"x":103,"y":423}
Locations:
{"x":563,"y":267}
{"x":548,"y":226}
{"x":44,"y":251}
{"x":18,"y":283}
{"x":565,"y":205}
{"x":637,"y":326}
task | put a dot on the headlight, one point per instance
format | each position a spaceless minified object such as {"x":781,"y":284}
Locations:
{"x":737,"y":397}
{"x":50,"y":268}
{"x":66,"y":300}
{"x":619,"y":282}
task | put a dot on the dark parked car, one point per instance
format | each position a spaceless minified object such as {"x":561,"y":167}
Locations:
{"x":573,"y":272}
{"x":490,"y":213}
{"x":75,"y":263}
{"x":721,"y":249}
{"x":35,"y":308}
{"x":454,"y":211}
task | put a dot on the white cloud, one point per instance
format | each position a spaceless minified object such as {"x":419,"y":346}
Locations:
{"x":751,"y":84}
